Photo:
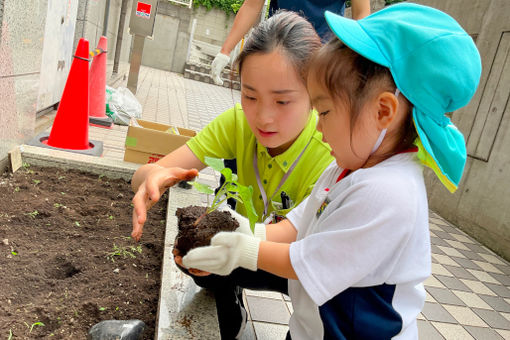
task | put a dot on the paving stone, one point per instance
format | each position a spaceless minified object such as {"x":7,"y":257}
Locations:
{"x":438,"y":242}
{"x":465,"y":263}
{"x":451,"y":251}
{"x":478,"y":287}
{"x":460,"y":272}
{"x":471,"y":255}
{"x":453,"y":283}
{"x":436,"y":312}
{"x":427,"y":331}
{"x":497,"y":303}
{"x":270,"y":331}
{"x":444,"y":296}
{"x":504,"y":268}
{"x":499,"y":289}
{"x":472,"y":300}
{"x":477,"y":248}
{"x":483,"y":276}
{"x":435,"y":250}
{"x":452,"y":332}
{"x":488,"y":267}
{"x":481,"y":333}
{"x":493,"y":318}
{"x":444,"y":235}
{"x":465,"y":316}
{"x":504,"y":279}
{"x":438,"y":269}
{"x":268,"y":310}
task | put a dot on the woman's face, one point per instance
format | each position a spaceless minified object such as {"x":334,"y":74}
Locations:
{"x":274,"y":99}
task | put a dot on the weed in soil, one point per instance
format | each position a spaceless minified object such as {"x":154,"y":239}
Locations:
{"x":66,"y":258}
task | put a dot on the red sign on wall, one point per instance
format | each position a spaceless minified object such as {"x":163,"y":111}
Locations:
{"x":143,"y":10}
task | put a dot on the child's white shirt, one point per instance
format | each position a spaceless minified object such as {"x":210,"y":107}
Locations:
{"x":374,"y":231}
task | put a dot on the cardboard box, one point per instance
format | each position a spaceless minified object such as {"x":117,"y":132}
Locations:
{"x":150,"y":141}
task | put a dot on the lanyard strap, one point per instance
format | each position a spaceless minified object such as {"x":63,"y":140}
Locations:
{"x":284,"y":178}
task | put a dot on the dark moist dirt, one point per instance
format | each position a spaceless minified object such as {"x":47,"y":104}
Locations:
{"x":190,"y":236}
{"x":66,"y":257}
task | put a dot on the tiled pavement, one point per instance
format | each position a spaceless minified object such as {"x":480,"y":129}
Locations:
{"x":468,"y":294}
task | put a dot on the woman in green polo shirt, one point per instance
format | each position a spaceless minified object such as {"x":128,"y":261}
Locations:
{"x":271,"y":134}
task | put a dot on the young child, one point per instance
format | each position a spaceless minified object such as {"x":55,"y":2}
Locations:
{"x":357,"y":250}
{"x":272,"y":134}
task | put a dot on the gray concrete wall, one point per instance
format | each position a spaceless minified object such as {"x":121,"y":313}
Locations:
{"x":21,"y":44}
{"x":168,"y":48}
{"x":172,"y":29}
{"x":481,"y":206}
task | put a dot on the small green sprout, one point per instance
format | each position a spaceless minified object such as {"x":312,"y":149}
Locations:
{"x":36,"y":324}
{"x":17,"y":189}
{"x":58,"y":205}
{"x":102,"y":308}
{"x":124,"y":252}
{"x":10,"y":334}
{"x":111,"y":217}
{"x":230,"y":189}
{"x":14,"y":253}
{"x":36,"y":181}
{"x":76,"y":223}
{"x":33,"y":214}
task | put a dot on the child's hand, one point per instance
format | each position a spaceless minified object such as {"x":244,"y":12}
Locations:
{"x":149,"y":192}
{"x":192,"y":271}
{"x":228,"y":250}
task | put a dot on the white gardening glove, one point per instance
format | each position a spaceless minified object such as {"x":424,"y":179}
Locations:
{"x":220,"y":61}
{"x":244,"y":225}
{"x":228,"y":250}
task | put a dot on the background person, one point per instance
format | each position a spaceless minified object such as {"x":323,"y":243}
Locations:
{"x":312,"y":10}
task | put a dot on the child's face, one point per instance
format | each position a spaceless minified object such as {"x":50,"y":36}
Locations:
{"x":274,"y":99}
{"x":335,"y":125}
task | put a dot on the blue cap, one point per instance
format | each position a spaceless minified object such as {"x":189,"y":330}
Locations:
{"x":434,"y":63}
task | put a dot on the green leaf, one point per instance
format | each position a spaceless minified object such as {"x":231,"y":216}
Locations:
{"x":227,"y":172}
{"x":215,"y":163}
{"x":246,"y":194}
{"x":202,"y":187}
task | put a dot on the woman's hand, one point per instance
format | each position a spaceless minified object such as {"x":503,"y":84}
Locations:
{"x":156,"y":182}
{"x":192,"y":271}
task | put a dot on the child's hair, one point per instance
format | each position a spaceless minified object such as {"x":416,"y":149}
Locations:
{"x":288,"y":32}
{"x":354,"y":79}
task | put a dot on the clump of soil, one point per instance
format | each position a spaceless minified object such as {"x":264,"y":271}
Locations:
{"x":67,"y":260}
{"x":191,"y":236}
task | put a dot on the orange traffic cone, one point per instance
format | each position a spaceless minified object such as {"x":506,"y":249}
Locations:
{"x":71,"y":129}
{"x":97,"y":87}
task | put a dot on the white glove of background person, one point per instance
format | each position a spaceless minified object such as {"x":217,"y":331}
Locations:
{"x":228,"y":250}
{"x":220,"y":61}
{"x":244,"y":225}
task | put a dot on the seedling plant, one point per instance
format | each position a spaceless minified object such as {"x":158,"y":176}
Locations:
{"x":231,"y":188}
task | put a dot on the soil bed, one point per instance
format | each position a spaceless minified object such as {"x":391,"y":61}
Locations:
{"x":190,"y":236}
{"x":66,"y":257}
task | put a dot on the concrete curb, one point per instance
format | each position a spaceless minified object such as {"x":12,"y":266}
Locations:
{"x":185,"y":311}
{"x":70,"y":160}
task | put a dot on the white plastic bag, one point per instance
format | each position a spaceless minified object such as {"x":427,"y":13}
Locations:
{"x":122,"y":105}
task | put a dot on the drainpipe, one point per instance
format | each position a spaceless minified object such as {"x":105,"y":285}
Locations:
{"x":105,"y":20}
{"x":120,"y":35}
